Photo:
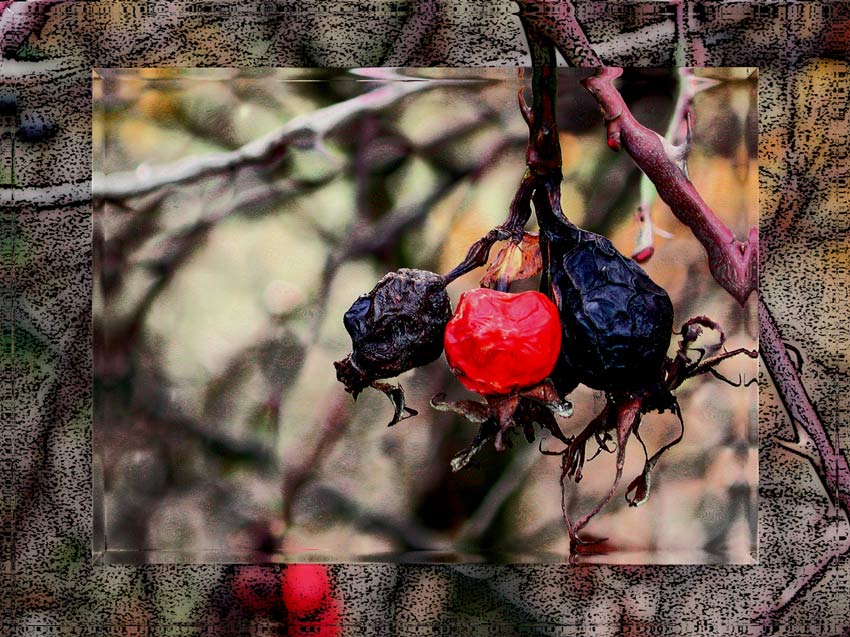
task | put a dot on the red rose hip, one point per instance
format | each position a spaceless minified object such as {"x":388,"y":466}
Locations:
{"x":305,"y":589}
{"x":497,"y":342}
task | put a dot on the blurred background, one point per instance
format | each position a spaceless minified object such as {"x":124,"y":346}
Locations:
{"x":221,"y":433}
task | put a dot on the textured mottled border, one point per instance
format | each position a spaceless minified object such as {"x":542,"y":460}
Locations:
{"x":49,"y":49}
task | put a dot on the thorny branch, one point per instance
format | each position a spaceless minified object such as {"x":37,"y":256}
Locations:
{"x":812,"y":443}
{"x":733,"y":263}
{"x":829,"y":463}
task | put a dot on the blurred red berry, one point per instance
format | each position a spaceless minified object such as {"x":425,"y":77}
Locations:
{"x":325,"y":624}
{"x":306,"y":590}
{"x":497,"y":342}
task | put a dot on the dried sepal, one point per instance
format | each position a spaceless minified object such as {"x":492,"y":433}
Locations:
{"x":396,"y":395}
{"x":502,"y":414}
{"x":466,"y":455}
{"x":474,"y":412}
{"x":516,"y":261}
{"x":638,"y":490}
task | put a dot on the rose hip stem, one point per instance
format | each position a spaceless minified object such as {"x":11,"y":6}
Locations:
{"x":543,"y":160}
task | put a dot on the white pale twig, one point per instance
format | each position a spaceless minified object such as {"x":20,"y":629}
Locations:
{"x":268,"y":149}
{"x":47,"y":196}
{"x":677,"y":149}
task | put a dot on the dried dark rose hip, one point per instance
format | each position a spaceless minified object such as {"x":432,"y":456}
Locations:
{"x":397,"y":326}
{"x":617,"y":321}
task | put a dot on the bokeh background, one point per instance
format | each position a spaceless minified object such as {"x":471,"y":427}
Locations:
{"x":221,"y":433}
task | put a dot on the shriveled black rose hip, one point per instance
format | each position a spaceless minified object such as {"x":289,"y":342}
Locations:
{"x":397,"y":326}
{"x":617,"y":321}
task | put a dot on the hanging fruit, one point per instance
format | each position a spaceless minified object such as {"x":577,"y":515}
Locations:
{"x":617,"y":321}
{"x":497,"y":343}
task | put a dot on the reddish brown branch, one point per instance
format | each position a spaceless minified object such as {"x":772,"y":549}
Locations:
{"x":827,"y":460}
{"x":733,"y":263}
{"x":556,"y":22}
{"x":831,"y":466}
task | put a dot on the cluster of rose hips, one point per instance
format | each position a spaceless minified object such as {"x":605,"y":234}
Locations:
{"x":598,"y":320}
{"x":301,"y":592}
{"x":495,"y":342}
{"x":500,"y":345}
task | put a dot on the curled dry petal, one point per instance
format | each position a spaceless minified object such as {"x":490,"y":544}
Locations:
{"x":517,"y":260}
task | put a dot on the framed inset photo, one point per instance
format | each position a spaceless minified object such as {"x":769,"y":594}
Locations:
{"x":243,"y":219}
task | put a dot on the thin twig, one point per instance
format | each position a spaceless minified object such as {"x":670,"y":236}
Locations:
{"x":418,"y":31}
{"x":810,"y":576}
{"x":67,"y":194}
{"x":405,"y":532}
{"x":677,"y":134}
{"x":508,"y":484}
{"x":639,"y":44}
{"x":214,"y":436}
{"x":833,"y":469}
{"x":334,"y":425}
